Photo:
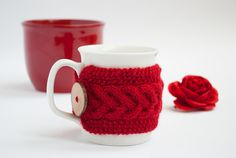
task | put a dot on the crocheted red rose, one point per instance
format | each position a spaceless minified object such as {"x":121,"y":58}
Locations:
{"x":193,"y":93}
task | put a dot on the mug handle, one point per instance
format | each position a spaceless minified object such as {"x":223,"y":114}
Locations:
{"x":50,"y":86}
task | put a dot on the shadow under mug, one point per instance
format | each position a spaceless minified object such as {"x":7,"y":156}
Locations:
{"x":117,"y":96}
{"x":49,"y":40}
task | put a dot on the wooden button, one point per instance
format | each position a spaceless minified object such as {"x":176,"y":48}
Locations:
{"x":78,"y":98}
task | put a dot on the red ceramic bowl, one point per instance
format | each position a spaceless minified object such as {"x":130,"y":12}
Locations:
{"x":47,"y":41}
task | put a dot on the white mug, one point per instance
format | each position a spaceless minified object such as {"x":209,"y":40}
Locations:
{"x":108,"y":57}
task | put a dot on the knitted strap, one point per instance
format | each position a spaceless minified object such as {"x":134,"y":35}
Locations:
{"x":121,"y":101}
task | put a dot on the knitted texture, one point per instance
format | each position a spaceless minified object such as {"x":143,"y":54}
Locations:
{"x":121,"y":100}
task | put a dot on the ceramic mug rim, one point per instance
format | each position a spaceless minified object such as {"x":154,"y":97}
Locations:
{"x":103,"y":49}
{"x":63,"y":23}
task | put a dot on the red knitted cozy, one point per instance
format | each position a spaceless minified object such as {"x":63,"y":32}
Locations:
{"x":121,"y":101}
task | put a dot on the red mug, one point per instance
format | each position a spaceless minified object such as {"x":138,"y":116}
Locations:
{"x":47,"y":41}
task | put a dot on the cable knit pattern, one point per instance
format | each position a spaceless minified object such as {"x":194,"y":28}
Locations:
{"x":121,"y":101}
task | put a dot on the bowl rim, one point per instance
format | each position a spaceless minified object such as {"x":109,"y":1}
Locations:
{"x":62,"y":23}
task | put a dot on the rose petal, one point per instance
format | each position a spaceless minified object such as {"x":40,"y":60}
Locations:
{"x":189,"y":93}
{"x":210,"y":97}
{"x":175,"y":90}
{"x":203,"y":98}
{"x":195,"y":104}
{"x":213,"y":96}
{"x":208,"y":107}
{"x":194,"y":84}
{"x":185,"y":107}
{"x":179,"y":104}
{"x":204,"y":88}
{"x":198,"y":84}
{"x":186,"y":78}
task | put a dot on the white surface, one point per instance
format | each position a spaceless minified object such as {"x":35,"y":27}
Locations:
{"x":193,"y":37}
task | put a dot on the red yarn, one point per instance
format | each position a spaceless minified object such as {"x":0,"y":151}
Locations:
{"x":121,"y":101}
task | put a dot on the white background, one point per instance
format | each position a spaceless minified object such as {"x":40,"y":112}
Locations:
{"x":193,"y":37}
